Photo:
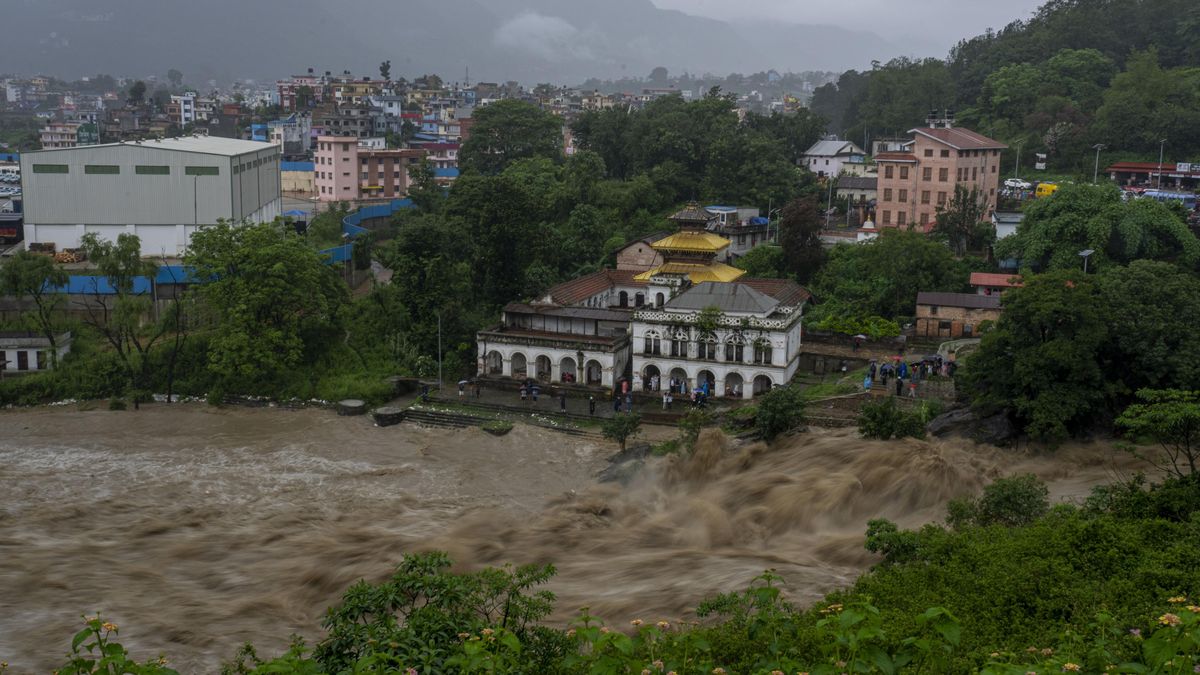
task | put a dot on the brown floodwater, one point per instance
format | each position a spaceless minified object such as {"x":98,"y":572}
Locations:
{"x":197,"y":529}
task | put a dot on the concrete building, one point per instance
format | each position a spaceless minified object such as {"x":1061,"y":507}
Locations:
{"x":185,"y":105}
{"x":639,"y":255}
{"x":161,"y":190}
{"x":345,"y":171}
{"x":1006,"y":223}
{"x":825,"y":158}
{"x":23,"y":351}
{"x":57,"y":135}
{"x":986,"y":283}
{"x":297,"y":177}
{"x":915,"y":184}
{"x":954,"y":315}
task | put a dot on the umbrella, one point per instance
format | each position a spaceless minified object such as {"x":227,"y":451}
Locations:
{"x":464,"y":381}
{"x":860,"y":336}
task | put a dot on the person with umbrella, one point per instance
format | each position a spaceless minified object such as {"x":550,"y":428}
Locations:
{"x":858,"y":340}
{"x":462,"y":387}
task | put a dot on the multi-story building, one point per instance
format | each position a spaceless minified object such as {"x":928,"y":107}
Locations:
{"x":161,"y":190}
{"x":182,"y":108}
{"x":916,"y":183}
{"x":293,"y":90}
{"x":826,"y":158}
{"x":656,"y":329}
{"x":344,"y":171}
{"x":56,"y":135}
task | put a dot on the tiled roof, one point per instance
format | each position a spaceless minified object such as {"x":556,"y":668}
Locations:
{"x":692,"y":213}
{"x":856,"y":183}
{"x":999,"y":280}
{"x":733,"y":297}
{"x":959,"y":138}
{"x":697,"y":273}
{"x":895,"y":157}
{"x":578,"y":290}
{"x":648,"y":239}
{"x":965,"y":300}
{"x":786,"y":291}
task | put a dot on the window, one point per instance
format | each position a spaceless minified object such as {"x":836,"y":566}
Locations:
{"x":346,"y":174}
{"x":707,"y":348}
{"x":108,"y":169}
{"x":202,"y":170}
{"x":903,"y":196}
{"x":924,"y":218}
{"x":993,"y":168}
{"x":679,"y":344}
{"x":887,"y":171}
{"x":762,"y":352}
{"x":901,"y":218}
{"x":735,"y":352}
{"x":904,"y":172}
{"x":943,"y":325}
{"x":363,"y":161}
{"x":51,"y":168}
{"x":653,"y":344}
{"x":974,"y":173}
{"x":151,"y":170}
{"x":237,"y":168}
{"x":941,"y":198}
{"x":945,"y":153}
{"x":924,"y":196}
{"x":943,"y":175}
{"x":365,"y":175}
{"x":887,"y":194}
{"x":929,"y":152}
{"x":933,"y":309}
{"x":887,"y":217}
{"x":927,"y":173}
{"x":345,"y":147}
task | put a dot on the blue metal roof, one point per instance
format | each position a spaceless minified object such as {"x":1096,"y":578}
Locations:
{"x":448,"y":172}
{"x":10,"y":157}
{"x":296,"y":213}
{"x":296,"y":166}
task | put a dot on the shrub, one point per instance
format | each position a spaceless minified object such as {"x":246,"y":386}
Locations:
{"x":1012,"y":502}
{"x":884,"y":419}
{"x":498,"y":427}
{"x":621,"y":427}
{"x":116,"y":404}
{"x":692,"y":423}
{"x":779,"y":410}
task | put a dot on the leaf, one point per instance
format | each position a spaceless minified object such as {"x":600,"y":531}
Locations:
{"x":79,"y":638}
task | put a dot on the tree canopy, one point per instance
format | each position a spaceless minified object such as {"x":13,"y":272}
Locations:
{"x":509,"y":130}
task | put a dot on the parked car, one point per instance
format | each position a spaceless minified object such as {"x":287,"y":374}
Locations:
{"x":1017,"y":184}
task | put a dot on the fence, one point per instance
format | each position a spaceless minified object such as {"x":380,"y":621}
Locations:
{"x":352,"y":226}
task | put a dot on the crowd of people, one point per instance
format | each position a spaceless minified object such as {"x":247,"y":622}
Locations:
{"x":906,"y":375}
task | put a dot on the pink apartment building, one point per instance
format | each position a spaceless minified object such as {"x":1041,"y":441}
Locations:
{"x":916,"y":183}
{"x":344,"y":171}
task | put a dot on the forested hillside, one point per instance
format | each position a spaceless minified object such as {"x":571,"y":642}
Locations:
{"x":1125,"y":73}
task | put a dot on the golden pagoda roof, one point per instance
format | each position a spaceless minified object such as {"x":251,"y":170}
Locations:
{"x":698,"y":273}
{"x":692,"y":241}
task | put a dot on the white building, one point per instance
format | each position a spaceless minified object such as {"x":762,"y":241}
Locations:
{"x":187,"y":107}
{"x":826,"y":158}
{"x":22,"y":351}
{"x":161,"y":190}
{"x":1006,"y":223}
{"x":753,"y":345}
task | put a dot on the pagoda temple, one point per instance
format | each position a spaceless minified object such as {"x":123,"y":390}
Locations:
{"x":690,"y":255}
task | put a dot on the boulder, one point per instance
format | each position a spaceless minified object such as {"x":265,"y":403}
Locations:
{"x":351,"y":406}
{"x":994,"y":429}
{"x":386,"y":417}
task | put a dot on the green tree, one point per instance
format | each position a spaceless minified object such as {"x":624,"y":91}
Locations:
{"x":33,"y":276}
{"x":275,"y":301}
{"x":175,"y":78}
{"x":1046,"y":360}
{"x":423,"y":189}
{"x":1170,"y":417}
{"x":882,"y":277}
{"x":508,"y":130}
{"x":621,"y":427}
{"x":325,"y":229}
{"x":778,"y":411}
{"x":1015,"y":501}
{"x":305,"y":97}
{"x":385,"y":70}
{"x":137,"y":92}
{"x":120,"y":316}
{"x":766,"y":261}
{"x":800,"y":225}
{"x":961,"y":222}
{"x":883,"y":420}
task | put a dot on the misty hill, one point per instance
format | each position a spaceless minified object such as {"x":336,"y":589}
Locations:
{"x":530,"y":40}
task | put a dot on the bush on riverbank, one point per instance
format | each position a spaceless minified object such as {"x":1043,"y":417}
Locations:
{"x":1110,"y":587}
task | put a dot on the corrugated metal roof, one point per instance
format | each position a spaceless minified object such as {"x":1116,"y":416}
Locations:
{"x":598,"y":314}
{"x":446,"y":172}
{"x":965,"y":300}
{"x":697,"y":273}
{"x":296,"y":166}
{"x":959,"y":138}
{"x":833,"y":149}
{"x":998,"y":280}
{"x":691,"y":241}
{"x":207,"y":145}
{"x":726,"y":297}
{"x":856,"y":183}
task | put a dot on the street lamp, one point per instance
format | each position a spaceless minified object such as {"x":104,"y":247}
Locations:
{"x":1161,"y":144}
{"x":1096,"y":167}
{"x":1085,"y":254}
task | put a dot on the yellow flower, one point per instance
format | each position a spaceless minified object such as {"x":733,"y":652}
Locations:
{"x":645,"y":671}
{"x":994,"y":655}
{"x":463,"y":636}
{"x":776,"y":672}
{"x":1194,"y":609}
{"x":1047,"y":652}
{"x":718,"y":671}
{"x":162,"y":660}
{"x":663,"y":625}
{"x":1071,"y":667}
{"x":658,"y":664}
{"x":635,"y":623}
{"x":1177,"y":600}
{"x":1169,"y":619}
{"x":109,"y":626}
{"x":603,"y":629}
{"x":487,"y":631}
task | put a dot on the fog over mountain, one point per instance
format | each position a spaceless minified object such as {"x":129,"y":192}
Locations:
{"x":562,"y":41}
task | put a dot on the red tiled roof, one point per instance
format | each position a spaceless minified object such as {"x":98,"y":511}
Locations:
{"x":959,"y":138}
{"x":786,"y":291}
{"x":895,"y":157}
{"x":578,"y":290}
{"x":998,"y":280}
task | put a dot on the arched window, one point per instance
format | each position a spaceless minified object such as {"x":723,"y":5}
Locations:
{"x":763,"y":352}
{"x":679,"y":342}
{"x":735,"y":348}
{"x":623,"y":299}
{"x":652,"y":342}
{"x":658,"y":300}
{"x":707,"y":347}
{"x":639,"y":300}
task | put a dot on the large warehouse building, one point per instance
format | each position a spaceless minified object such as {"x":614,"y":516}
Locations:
{"x":160,"y":190}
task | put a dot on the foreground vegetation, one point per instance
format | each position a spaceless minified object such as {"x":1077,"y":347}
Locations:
{"x":1008,"y":585}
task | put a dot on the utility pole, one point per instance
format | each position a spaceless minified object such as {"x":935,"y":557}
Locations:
{"x":1161,"y":144}
{"x":1096,"y":166}
{"x":439,"y":351}
{"x":829,"y":201}
{"x":1017,"y":166}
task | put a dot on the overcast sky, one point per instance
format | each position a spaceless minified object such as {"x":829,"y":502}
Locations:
{"x":929,"y":24}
